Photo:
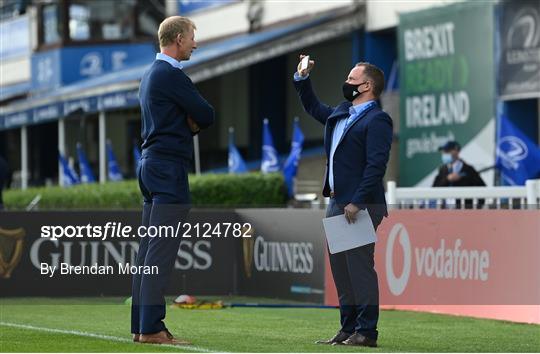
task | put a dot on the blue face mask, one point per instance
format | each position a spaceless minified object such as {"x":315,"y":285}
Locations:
{"x":446,"y":158}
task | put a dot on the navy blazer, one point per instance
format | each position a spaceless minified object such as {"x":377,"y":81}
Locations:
{"x":362,"y":154}
{"x":167,"y":97}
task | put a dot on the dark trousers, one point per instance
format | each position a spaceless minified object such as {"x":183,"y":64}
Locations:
{"x":356,"y":283}
{"x":164,"y":185}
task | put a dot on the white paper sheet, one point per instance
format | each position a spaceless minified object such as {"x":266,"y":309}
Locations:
{"x":342,"y":236}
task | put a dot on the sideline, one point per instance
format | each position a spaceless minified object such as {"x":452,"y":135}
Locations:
{"x":103,"y":337}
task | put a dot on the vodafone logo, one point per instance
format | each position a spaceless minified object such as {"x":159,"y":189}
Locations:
{"x":398,"y":284}
{"x":447,"y":260}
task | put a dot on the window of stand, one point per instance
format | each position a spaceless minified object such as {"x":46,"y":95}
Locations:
{"x":51,"y":24}
{"x":101,"y":20}
{"x":64,"y":22}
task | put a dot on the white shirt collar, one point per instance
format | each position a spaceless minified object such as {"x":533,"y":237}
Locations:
{"x":175,"y":63}
{"x":359,"y":108}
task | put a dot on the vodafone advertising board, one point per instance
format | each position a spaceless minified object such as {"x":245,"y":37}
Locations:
{"x":477,"y":263}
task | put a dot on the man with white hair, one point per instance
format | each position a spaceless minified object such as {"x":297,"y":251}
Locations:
{"x":172,"y":112}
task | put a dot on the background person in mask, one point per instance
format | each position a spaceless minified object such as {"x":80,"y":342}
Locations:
{"x":358,"y":136}
{"x":454,"y":172}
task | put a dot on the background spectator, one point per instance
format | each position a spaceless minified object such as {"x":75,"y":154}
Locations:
{"x":454,"y":172}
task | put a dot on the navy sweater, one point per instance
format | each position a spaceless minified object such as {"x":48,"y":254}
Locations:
{"x":167,"y":97}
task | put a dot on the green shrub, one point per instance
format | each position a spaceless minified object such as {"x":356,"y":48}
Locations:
{"x":209,"y":190}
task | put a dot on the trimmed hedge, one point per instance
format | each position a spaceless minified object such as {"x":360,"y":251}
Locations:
{"x":208,"y":190}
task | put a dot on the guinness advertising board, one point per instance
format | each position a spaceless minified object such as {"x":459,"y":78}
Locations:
{"x":203,"y":266}
{"x":282,"y":258}
{"x":285,"y":256}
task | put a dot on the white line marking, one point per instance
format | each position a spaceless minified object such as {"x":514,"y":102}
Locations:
{"x":102,"y":336}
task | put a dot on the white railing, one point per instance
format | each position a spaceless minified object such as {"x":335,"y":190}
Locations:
{"x":523,"y":197}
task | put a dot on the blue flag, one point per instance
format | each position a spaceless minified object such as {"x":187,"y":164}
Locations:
{"x":69,"y":175}
{"x":136,"y":158}
{"x":84,"y":167}
{"x":291,"y":164}
{"x":269,"y":162}
{"x":518,"y":157}
{"x":236,"y":162}
{"x":113,"y":169}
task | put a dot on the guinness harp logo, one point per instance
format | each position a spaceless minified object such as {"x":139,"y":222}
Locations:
{"x":247,"y":248}
{"x":11,"y":247}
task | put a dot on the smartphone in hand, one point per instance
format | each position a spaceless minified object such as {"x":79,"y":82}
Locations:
{"x":304,"y":63}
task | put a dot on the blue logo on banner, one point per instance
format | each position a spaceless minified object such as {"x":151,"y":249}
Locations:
{"x":518,"y":157}
{"x":66,"y":65}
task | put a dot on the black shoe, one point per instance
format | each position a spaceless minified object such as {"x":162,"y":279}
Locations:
{"x":338,"y":338}
{"x":357,"y":339}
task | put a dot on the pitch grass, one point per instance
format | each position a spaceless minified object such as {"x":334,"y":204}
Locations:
{"x":247,"y":329}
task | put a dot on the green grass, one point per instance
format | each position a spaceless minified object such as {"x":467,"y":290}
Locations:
{"x":247,"y":329}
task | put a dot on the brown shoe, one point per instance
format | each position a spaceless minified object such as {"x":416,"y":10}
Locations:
{"x":163,"y":337}
{"x":136,"y":337}
{"x":357,"y":339}
{"x":338,"y":338}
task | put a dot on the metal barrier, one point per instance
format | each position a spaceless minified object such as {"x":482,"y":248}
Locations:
{"x":515,"y":197}
{"x":307,"y":194}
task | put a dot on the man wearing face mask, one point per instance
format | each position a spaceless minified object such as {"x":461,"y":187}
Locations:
{"x":454,"y":172}
{"x":358,"y":136}
{"x":172,"y":112}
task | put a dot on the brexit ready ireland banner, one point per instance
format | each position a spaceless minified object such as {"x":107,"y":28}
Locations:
{"x":447,"y":88}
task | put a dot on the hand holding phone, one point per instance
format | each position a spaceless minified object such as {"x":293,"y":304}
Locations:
{"x":305,"y":65}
